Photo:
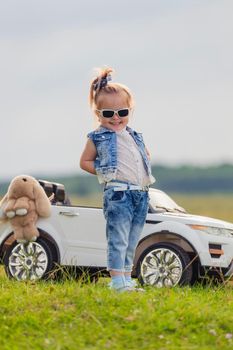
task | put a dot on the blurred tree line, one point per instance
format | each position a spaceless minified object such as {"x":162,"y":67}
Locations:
{"x":184,"y":179}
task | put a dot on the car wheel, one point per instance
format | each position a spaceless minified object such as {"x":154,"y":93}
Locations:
{"x":164,"y":265}
{"x":29,"y":261}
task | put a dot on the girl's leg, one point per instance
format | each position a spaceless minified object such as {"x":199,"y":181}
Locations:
{"x":129,"y":281}
{"x":118,"y":213}
{"x":117,"y":280}
{"x":140,"y":212}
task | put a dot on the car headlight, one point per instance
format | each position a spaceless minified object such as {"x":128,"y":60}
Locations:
{"x":217,"y":231}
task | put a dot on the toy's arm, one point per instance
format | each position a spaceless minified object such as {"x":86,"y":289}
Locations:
{"x":7,"y":208}
{"x":21,"y":203}
{"x":10,"y":205}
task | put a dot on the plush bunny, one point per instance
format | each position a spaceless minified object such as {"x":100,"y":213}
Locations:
{"x":24,"y":202}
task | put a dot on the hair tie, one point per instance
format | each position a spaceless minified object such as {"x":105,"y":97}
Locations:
{"x":101,"y":83}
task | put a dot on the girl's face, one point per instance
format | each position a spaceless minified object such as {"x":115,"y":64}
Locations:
{"x":114,"y":101}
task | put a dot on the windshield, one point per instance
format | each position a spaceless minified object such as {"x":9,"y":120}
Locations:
{"x":160,"y":200}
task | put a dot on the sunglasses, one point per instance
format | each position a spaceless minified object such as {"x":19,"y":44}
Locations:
{"x":109,"y":113}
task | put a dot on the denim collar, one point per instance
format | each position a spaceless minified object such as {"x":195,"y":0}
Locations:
{"x":101,"y":130}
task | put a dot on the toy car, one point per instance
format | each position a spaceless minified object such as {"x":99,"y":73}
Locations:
{"x":175,"y":248}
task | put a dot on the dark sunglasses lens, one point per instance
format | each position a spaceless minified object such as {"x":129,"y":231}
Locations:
{"x":123,"y":112}
{"x":108,"y":114}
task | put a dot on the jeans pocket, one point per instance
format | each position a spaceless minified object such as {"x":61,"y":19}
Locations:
{"x":118,"y":195}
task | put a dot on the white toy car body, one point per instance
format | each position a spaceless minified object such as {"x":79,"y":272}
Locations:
{"x":175,"y":247}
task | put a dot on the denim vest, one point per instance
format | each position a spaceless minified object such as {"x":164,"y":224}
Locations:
{"x":106,"y":145}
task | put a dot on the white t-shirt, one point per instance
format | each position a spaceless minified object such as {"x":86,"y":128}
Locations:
{"x":130,"y":164}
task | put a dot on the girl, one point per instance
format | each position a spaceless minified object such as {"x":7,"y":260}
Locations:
{"x":117,"y":155}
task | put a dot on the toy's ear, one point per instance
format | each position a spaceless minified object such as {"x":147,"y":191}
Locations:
{"x":3,"y":204}
{"x":43,"y":206}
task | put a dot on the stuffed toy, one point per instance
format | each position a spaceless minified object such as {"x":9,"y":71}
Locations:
{"x":24,"y":202}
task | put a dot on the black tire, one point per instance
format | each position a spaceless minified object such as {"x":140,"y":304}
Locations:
{"x":164,"y":265}
{"x":29,"y":261}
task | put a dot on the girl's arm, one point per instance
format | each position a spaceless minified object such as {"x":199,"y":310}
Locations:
{"x":88,"y":157}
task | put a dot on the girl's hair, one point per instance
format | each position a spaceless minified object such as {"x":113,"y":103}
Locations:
{"x":101,"y":86}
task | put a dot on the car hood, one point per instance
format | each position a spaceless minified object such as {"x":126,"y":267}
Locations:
{"x":197,"y":220}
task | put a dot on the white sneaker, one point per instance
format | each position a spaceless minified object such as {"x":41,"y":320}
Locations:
{"x":132,"y":283}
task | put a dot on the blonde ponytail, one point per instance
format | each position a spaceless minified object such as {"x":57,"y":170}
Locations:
{"x":104,"y":74}
{"x":100,"y":86}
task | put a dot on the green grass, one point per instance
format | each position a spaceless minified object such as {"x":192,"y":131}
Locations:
{"x":71,"y":315}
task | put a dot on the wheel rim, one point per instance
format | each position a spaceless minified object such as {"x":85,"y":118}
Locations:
{"x":28,"y":261}
{"x":161,"y":267}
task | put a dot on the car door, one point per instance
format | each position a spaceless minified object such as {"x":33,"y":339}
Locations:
{"x":84,"y":231}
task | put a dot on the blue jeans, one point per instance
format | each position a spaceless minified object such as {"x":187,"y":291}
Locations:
{"x":125,"y":213}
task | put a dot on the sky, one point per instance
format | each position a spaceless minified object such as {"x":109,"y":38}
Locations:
{"x":175,"y":56}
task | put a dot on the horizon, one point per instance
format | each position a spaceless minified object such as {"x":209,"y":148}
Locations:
{"x":43,"y":175}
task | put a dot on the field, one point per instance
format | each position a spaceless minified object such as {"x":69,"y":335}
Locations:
{"x":216,"y":205}
{"x":72,"y":315}
{"x":219,"y":206}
